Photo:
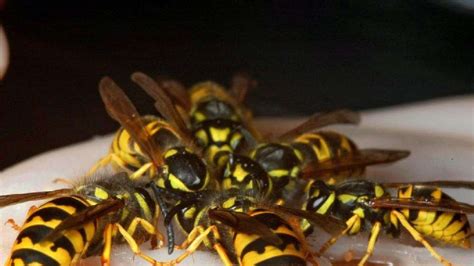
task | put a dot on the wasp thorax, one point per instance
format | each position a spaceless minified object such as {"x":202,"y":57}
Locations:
{"x":279,"y":161}
{"x":185,"y":171}
{"x":245,"y":174}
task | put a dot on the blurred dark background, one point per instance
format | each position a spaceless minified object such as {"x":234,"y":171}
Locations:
{"x":308,"y":56}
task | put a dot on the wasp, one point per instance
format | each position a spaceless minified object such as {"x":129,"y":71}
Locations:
{"x":420,"y":208}
{"x":164,"y":150}
{"x":220,"y":123}
{"x":147,"y":145}
{"x":300,"y":152}
{"x":85,"y":220}
{"x":243,"y":229}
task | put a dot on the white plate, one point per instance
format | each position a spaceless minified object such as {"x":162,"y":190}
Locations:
{"x":440,"y":135}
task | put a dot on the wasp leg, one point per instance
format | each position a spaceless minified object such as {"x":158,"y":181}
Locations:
{"x":101,"y":163}
{"x":418,"y":237}
{"x":141,"y":171}
{"x":196,"y":237}
{"x":13,"y":224}
{"x":149,"y":228}
{"x":370,"y":247}
{"x":105,"y":258}
{"x":109,"y":232}
{"x":31,"y":210}
{"x":63,"y":180}
{"x":333,"y":239}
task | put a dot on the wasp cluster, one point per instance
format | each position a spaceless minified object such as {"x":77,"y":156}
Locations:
{"x":199,"y":165}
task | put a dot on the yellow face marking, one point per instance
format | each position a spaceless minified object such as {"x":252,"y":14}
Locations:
{"x":219,"y":134}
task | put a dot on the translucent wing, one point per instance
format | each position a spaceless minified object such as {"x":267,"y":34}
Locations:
{"x":165,"y":107}
{"x":244,"y":223}
{"x":437,"y":183}
{"x":321,"y":120}
{"x":175,"y":90}
{"x":89,"y":214}
{"x":361,"y":159}
{"x":444,"y":205}
{"x":121,"y":109}
{"x":240,"y":84}
{"x":6,"y":200}
{"x":329,"y":224}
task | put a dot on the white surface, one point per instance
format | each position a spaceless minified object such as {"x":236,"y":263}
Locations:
{"x":440,"y":135}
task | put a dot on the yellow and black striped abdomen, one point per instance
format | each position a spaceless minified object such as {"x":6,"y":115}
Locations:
{"x":324,"y":145}
{"x":131,"y":157}
{"x":253,"y":250}
{"x":30,"y":248}
{"x":447,"y":227}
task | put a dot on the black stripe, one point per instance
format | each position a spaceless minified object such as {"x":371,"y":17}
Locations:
{"x":37,"y":233}
{"x":70,"y":201}
{"x":48,"y":214}
{"x":258,"y":245}
{"x":283,"y":260}
{"x":31,"y":256}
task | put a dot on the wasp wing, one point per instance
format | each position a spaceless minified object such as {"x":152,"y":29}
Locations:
{"x":240,"y":84}
{"x":175,"y":90}
{"x":82,"y":217}
{"x":244,"y":223}
{"x":437,"y":183}
{"x":361,"y":159}
{"x":321,"y":120}
{"x":121,"y":109}
{"x":6,"y":200}
{"x":328,"y":223}
{"x":444,"y":205}
{"x":165,"y":107}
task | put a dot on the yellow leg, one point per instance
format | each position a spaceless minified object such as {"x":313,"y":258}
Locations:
{"x":134,"y":246}
{"x":191,"y":237}
{"x":149,"y":228}
{"x":418,"y":237}
{"x":104,"y":161}
{"x":370,"y":247}
{"x":105,"y":258}
{"x":13,"y":224}
{"x":196,"y":238}
{"x":333,"y":239}
{"x":141,"y":171}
